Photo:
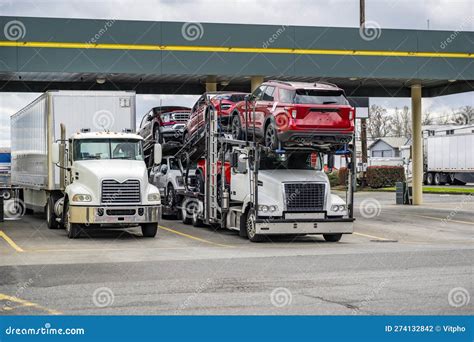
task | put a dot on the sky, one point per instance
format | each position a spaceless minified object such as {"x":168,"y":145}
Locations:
{"x":450,"y":15}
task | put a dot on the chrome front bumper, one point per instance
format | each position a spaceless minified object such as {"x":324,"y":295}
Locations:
{"x":111,"y":215}
{"x":268,"y":227}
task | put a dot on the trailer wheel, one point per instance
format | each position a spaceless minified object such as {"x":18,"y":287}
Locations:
{"x":437,"y":178}
{"x":149,"y":229}
{"x":429,"y":178}
{"x":251,"y":228}
{"x":332,"y":237}
{"x":50,"y":215}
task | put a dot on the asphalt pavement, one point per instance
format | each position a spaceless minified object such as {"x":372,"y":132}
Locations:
{"x":400,"y":260}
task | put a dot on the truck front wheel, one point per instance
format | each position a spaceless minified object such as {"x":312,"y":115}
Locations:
{"x":73,"y":229}
{"x":50,"y":214}
{"x":251,"y":227}
{"x":332,"y":237}
{"x":149,"y":229}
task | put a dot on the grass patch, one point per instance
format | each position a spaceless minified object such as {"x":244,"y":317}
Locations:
{"x":430,"y":190}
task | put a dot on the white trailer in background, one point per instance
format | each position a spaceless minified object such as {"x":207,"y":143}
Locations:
{"x":449,"y":159}
{"x":71,"y":161}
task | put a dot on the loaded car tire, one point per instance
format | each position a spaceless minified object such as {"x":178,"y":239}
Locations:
{"x":332,"y":237}
{"x":157,"y":137}
{"x":50,"y":214}
{"x":236,"y":127}
{"x":270,"y":137}
{"x":149,"y":229}
{"x":73,"y":229}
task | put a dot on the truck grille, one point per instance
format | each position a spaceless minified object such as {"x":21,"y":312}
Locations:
{"x":114,"y":192}
{"x":304,"y":196}
{"x":180,"y":116}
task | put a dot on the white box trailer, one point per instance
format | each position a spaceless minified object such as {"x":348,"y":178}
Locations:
{"x":35,"y":127}
{"x":75,"y":158}
{"x":449,"y":159}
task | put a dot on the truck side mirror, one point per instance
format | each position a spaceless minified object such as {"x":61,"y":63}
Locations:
{"x":55,"y":153}
{"x":157,"y":154}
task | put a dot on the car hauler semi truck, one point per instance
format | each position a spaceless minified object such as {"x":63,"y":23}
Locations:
{"x":449,"y":159}
{"x":271,"y":192}
{"x":79,"y":178}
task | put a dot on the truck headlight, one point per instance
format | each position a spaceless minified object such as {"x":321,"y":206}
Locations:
{"x":81,"y":198}
{"x":337,"y":207}
{"x":155,"y":197}
{"x":267,"y":208}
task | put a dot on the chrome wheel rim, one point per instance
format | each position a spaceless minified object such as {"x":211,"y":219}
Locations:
{"x":251,"y":230}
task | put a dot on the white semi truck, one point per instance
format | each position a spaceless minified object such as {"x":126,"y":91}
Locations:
{"x":449,"y":159}
{"x":269,"y":192}
{"x":79,"y":178}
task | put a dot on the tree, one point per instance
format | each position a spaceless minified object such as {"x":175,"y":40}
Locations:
{"x":464,"y":116}
{"x":378,"y":124}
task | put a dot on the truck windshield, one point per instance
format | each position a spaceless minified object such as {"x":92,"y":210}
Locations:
{"x":291,"y":161}
{"x":312,"y":96}
{"x":89,"y":149}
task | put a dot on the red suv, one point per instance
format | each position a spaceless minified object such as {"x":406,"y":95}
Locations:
{"x":224,"y":103}
{"x":295,"y":114}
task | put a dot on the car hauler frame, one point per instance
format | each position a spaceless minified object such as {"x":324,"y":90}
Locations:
{"x":246,"y":204}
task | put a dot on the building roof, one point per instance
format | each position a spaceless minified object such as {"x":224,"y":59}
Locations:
{"x":395,"y":142}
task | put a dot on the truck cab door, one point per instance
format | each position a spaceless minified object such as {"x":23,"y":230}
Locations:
{"x":239,"y":180}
